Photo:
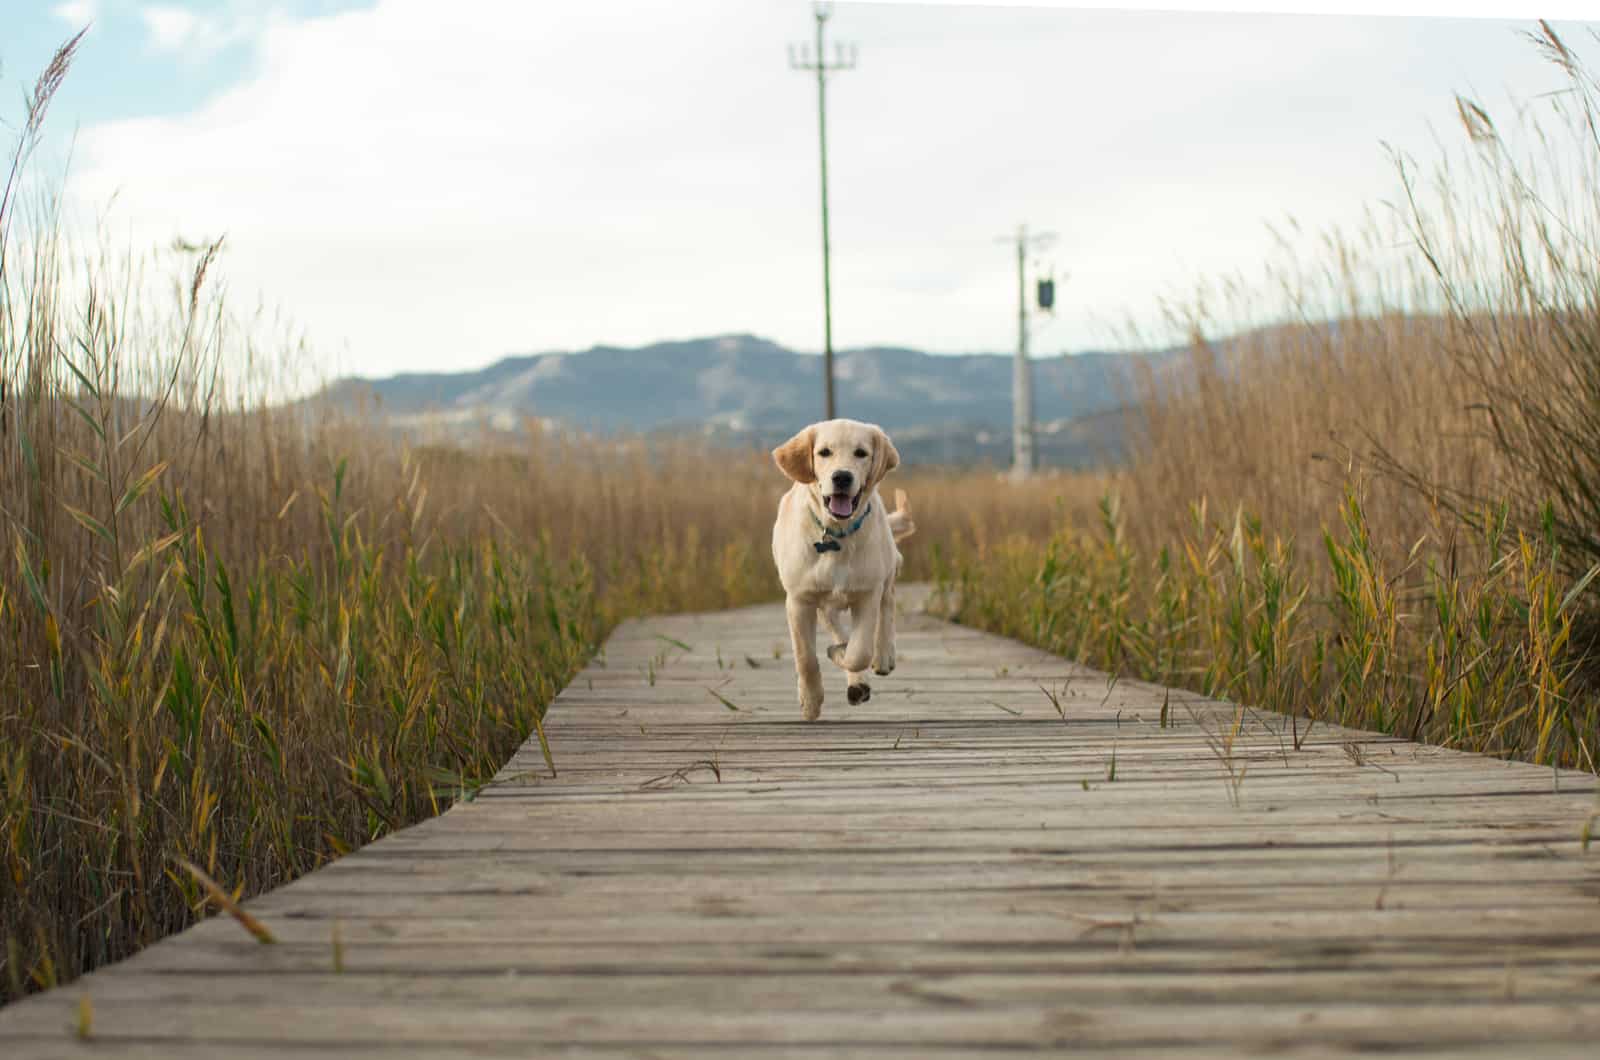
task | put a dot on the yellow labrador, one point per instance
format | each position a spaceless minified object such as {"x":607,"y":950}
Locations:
{"x":835,"y":548}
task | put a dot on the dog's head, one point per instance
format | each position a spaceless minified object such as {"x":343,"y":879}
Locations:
{"x":842,"y":460}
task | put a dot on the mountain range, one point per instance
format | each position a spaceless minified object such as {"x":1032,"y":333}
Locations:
{"x":745,"y":390}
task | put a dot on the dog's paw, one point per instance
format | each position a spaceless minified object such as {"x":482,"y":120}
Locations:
{"x":858,"y":693}
{"x":836,"y":653}
{"x":882,"y":667}
{"x":810,"y":701}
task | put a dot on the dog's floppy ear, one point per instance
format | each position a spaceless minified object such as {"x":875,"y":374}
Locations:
{"x":794,"y":456}
{"x":885,"y":458}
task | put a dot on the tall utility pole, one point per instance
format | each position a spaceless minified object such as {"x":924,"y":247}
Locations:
{"x":1022,"y":461}
{"x":844,"y":59}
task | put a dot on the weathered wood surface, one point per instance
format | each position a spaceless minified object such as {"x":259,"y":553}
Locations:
{"x":950,"y":868}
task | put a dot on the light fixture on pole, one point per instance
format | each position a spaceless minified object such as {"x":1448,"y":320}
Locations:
{"x":1022,"y":448}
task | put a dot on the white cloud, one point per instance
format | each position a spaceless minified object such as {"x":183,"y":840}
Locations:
{"x":440,"y":184}
{"x":170,"y":28}
{"x":182,"y":31}
{"x":1551,"y":9}
{"x":77,"y":13}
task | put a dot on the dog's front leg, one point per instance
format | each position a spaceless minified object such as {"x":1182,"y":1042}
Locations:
{"x":803,"y":632}
{"x":883,"y":651}
{"x":864,"y":613}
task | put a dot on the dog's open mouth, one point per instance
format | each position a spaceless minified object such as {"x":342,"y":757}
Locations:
{"x":842,"y":505}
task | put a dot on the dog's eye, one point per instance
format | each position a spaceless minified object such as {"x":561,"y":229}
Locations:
{"x":824,"y":452}
{"x":861,"y":454}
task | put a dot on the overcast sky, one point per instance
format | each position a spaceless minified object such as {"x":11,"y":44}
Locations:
{"x":428,"y":185}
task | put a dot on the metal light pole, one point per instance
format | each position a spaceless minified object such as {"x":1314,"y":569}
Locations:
{"x":1022,"y":458}
{"x":844,"y":59}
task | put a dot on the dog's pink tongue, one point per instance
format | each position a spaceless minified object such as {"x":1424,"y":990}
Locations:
{"x":839,"y":504}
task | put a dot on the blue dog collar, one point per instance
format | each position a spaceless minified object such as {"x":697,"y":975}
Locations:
{"x":831,"y":537}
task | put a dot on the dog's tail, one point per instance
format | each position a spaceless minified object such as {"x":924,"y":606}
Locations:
{"x":900,"y":523}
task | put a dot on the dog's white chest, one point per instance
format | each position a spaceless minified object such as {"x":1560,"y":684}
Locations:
{"x":847,"y":566}
{"x":833,"y":573}
{"x":840,"y":576}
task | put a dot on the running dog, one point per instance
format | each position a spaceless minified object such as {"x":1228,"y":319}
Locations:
{"x":834,"y":544}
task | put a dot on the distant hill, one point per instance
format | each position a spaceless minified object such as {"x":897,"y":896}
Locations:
{"x":747,"y":390}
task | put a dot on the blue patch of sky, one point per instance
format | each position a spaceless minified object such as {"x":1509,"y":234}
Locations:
{"x":123,"y":69}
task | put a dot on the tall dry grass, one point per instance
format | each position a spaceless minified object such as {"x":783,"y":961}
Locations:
{"x":1472,"y":648}
{"x":1370,"y":492}
{"x":1512,"y":249}
{"x":250,"y":636}
{"x":1279,"y":419}
{"x":1445,"y":353}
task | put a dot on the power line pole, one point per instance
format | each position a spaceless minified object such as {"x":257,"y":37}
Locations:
{"x":1022,"y":457}
{"x":844,"y":59}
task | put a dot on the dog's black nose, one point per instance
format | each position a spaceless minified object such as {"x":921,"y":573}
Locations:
{"x":841,"y":480}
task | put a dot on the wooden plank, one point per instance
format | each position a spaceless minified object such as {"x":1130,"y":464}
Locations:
{"x":951,"y":867}
{"x":1059,"y":1023}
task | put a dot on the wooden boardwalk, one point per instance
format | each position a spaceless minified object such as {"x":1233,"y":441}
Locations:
{"x":950,"y":868}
